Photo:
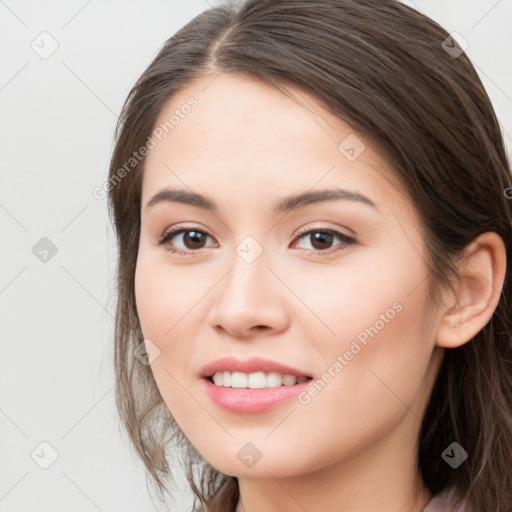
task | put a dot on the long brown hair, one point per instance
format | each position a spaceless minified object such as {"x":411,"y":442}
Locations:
{"x":397,"y":78}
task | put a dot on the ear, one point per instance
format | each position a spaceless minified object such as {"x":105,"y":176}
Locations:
{"x":482,"y":273}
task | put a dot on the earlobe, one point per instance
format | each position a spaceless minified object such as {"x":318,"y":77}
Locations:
{"x":482,"y":273}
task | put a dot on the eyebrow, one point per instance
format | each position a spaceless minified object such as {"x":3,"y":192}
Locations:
{"x":284,"y":205}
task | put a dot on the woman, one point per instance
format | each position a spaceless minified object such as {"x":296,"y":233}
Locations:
{"x":310,"y":200}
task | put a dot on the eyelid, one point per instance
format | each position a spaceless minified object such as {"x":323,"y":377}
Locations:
{"x":308,"y":229}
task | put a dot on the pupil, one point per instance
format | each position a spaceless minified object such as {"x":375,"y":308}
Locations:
{"x":322,"y":237}
{"x":195,"y":239}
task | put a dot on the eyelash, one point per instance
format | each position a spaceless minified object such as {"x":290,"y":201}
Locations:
{"x":346,"y":240}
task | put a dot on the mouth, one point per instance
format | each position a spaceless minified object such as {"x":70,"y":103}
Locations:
{"x":251,"y":386}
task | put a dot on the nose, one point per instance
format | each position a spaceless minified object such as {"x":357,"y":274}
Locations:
{"x":249,"y":301}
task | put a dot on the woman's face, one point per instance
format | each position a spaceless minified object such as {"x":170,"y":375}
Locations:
{"x":334,"y":288}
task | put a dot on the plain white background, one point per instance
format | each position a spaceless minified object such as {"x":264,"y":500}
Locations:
{"x":57,"y":120}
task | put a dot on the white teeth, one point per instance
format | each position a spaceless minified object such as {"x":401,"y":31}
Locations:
{"x":289,"y":380}
{"x":274,"y":380}
{"x":255,"y":380}
{"x":238,"y":379}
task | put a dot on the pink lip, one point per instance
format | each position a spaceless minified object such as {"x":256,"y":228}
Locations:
{"x":250,"y":400}
{"x":254,"y":364}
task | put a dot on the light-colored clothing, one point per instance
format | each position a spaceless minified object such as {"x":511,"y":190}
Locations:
{"x":445,"y":502}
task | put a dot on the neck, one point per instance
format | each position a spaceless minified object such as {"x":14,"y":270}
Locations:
{"x":382,"y":476}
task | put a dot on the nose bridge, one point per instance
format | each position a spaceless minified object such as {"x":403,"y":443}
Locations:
{"x":250,"y":296}
{"x":246,"y":282}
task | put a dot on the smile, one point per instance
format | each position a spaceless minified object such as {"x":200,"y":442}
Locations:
{"x":256,"y":380}
{"x":251,"y":386}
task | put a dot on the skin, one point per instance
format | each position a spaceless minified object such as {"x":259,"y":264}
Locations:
{"x":353,"y":446}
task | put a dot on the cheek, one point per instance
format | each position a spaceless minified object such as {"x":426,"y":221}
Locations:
{"x":165,"y":303}
{"x":380,"y":315}
{"x":381,"y":351}
{"x":165,"y":297}
{"x":375,"y":298}
{"x":171,"y":302}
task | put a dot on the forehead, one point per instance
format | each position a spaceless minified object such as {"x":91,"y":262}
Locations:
{"x":246,"y":133}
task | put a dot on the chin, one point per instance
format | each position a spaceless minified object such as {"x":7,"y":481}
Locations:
{"x":276,"y":465}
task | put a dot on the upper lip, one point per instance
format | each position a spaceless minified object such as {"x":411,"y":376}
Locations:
{"x":252,"y":365}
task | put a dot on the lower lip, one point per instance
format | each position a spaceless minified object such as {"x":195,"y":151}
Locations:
{"x":252,"y":400}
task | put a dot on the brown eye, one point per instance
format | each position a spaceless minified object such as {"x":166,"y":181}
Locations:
{"x":321,"y":240}
{"x":184,"y":238}
{"x":194,"y":239}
